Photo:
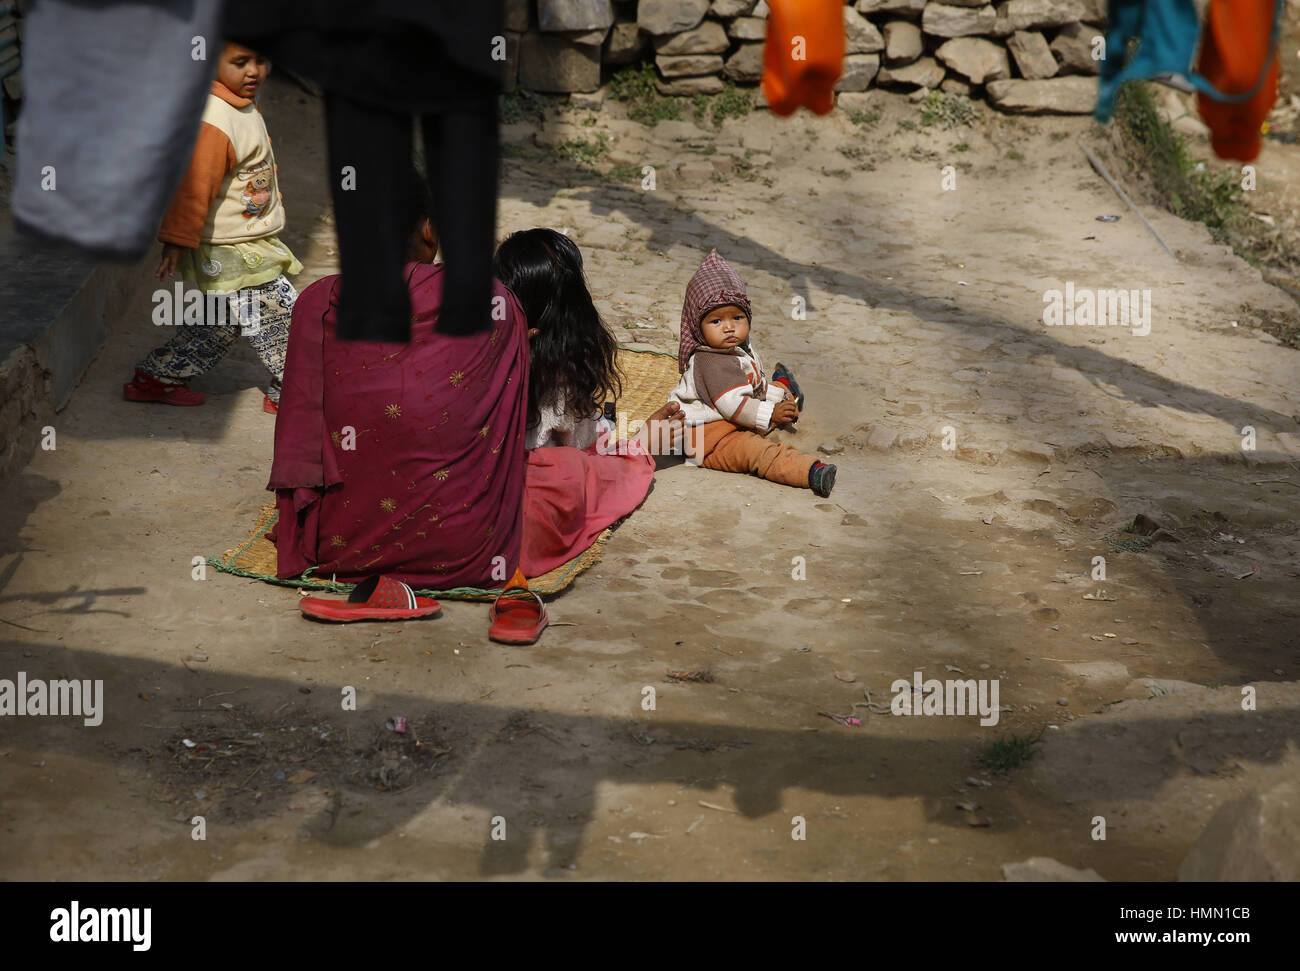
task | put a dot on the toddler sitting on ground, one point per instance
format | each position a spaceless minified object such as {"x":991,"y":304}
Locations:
{"x":729,"y":404}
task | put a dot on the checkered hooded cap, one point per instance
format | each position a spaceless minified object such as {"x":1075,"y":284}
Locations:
{"x":714,"y":285}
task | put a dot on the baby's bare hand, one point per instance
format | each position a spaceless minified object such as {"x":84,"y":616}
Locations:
{"x":785,"y":413}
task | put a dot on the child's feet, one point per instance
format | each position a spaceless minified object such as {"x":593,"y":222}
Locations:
{"x":783,"y":376}
{"x":821,"y":477}
{"x":145,"y":387}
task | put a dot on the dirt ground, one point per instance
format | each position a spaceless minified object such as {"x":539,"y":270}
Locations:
{"x":923,"y":313}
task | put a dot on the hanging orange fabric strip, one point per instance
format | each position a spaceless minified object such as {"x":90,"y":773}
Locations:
{"x":804,"y":54}
{"x":1236,"y":49}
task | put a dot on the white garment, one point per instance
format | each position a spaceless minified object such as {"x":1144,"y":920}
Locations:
{"x":558,"y":425}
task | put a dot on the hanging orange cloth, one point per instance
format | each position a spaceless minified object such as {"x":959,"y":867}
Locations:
{"x":1239,"y":57}
{"x":804,"y":54}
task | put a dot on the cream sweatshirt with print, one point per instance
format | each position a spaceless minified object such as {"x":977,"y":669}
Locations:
{"x":727,"y":385}
{"x":230,"y":192}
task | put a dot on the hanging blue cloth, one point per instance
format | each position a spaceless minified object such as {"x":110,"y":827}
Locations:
{"x":1167,"y":32}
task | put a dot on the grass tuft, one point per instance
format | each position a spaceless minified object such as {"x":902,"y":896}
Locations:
{"x":634,"y":86}
{"x":1005,"y":754}
{"x":948,"y":110}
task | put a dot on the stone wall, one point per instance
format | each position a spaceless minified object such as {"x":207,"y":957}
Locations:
{"x":1023,"y":55}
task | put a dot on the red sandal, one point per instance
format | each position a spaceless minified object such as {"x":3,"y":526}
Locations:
{"x":145,"y":387}
{"x":378,"y":598}
{"x":516,"y":621}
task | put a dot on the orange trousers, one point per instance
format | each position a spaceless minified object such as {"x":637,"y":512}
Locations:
{"x":725,"y":447}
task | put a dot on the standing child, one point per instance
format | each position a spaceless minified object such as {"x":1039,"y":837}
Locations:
{"x":221,"y":234}
{"x":729,"y":404}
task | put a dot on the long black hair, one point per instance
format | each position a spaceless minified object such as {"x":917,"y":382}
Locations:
{"x":573,"y":358}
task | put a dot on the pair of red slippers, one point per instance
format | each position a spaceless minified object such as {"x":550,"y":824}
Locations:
{"x":514,"y":620}
{"x":145,"y":387}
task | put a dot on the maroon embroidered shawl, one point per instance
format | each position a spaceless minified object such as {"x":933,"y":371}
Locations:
{"x":431,"y":490}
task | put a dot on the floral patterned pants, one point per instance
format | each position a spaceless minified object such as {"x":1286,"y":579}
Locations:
{"x":260,"y":313}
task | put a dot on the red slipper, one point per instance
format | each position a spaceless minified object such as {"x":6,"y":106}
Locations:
{"x":379,"y":598}
{"x":269,"y":406}
{"x":517,"y":621}
{"x":145,"y":387}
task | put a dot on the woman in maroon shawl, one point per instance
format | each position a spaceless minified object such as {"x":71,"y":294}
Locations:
{"x":409,"y":459}
{"x":402,"y":459}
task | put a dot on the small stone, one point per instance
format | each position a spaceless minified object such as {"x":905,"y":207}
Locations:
{"x":1063,"y":702}
{"x":903,"y":42}
{"x":908,"y":8}
{"x":830,"y":448}
{"x":725,"y":9}
{"x":860,"y":34}
{"x":554,"y":64}
{"x":708,"y":38}
{"x":925,"y":72}
{"x":688,"y":65}
{"x":1073,"y":48}
{"x":587,"y":100}
{"x":574,"y":15}
{"x":946,"y":20}
{"x":1029,"y":14}
{"x":626,"y":43}
{"x":1044,"y":869}
{"x":1033,"y":57}
{"x":1062,"y":96}
{"x":748,"y":28}
{"x":976,"y":59}
{"x":746,"y":64}
{"x":710,"y":84}
{"x":858,"y":72}
{"x":661,"y":17}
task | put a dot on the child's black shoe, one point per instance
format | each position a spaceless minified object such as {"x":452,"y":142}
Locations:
{"x":821,"y":477}
{"x":782,"y":375}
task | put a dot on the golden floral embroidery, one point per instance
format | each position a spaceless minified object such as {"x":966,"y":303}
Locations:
{"x":493,"y":339}
{"x":400,"y":546}
{"x":337,"y":541}
{"x":387,"y":505}
{"x":334,"y":437}
{"x":491,"y":528}
{"x":441,"y":475}
{"x":456,"y":378}
{"x":393,"y":412}
{"x":483,"y":432}
{"x":433,"y":518}
{"x":422,"y":534}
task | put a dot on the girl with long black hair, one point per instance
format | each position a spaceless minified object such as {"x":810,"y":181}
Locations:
{"x":573,"y":354}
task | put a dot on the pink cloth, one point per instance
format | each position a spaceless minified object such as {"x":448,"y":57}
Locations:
{"x":570,"y":495}
{"x":432,"y":490}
